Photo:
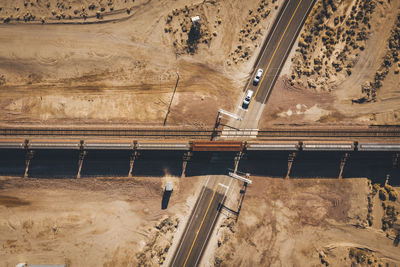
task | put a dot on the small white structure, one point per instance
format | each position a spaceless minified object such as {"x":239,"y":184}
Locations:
{"x":224,"y":112}
{"x":168,"y":187}
{"x":240,"y":178}
{"x":196,"y":19}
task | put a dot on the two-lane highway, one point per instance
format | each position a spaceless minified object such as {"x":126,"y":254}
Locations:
{"x":272,"y":58}
{"x":201,"y":222}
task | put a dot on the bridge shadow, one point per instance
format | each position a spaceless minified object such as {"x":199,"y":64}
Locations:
{"x":105,"y":163}
{"x":158,"y":163}
{"x":210,"y":163}
{"x":265,"y":163}
{"x":64,"y":164}
{"x":12,"y":162}
{"x":372,"y":165}
{"x":316,"y":164}
{"x":54,"y":164}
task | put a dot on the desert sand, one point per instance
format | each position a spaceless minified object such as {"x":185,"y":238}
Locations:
{"x":309,"y":222}
{"x":90,"y":222}
{"x":125,"y":71}
{"x":344,"y":69}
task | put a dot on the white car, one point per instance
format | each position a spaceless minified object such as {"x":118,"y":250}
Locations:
{"x":258,"y":77}
{"x":247,"y":99}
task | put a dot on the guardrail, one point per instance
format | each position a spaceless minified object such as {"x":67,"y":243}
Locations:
{"x":196,"y":145}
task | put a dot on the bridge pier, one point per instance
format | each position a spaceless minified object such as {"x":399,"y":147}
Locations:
{"x":291,"y":158}
{"x":238,"y":156}
{"x":134,"y":156}
{"x":186,"y":157}
{"x":343,"y":161}
{"x":82,"y":155}
{"x":29,"y":155}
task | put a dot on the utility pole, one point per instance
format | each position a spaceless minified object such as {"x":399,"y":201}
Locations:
{"x":172,"y":98}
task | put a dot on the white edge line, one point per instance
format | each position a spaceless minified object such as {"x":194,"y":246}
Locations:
{"x":216,"y":215}
{"x":191,"y":219}
{"x":225,"y":186}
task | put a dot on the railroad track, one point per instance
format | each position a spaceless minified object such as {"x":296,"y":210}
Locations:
{"x":136,"y":133}
{"x":342,"y":133}
{"x":160,"y":133}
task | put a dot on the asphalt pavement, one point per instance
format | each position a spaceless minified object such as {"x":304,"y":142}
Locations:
{"x":271,"y":59}
{"x":202,"y":221}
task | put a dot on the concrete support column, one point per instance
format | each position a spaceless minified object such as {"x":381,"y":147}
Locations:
{"x":82,"y":155}
{"x":186,"y":157}
{"x":291,"y":158}
{"x":29,"y":155}
{"x":343,"y":161}
{"x":134,"y":156}
{"x":238,"y":156}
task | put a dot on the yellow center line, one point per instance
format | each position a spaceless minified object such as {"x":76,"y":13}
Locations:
{"x":276,"y":49}
{"x":202,"y":221}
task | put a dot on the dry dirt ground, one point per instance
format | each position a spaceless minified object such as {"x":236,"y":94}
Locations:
{"x":344,"y":68}
{"x":71,"y":70}
{"x":90,"y":222}
{"x":310,"y":222}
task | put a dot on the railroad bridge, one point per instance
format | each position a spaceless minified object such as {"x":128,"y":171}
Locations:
{"x":293,"y":144}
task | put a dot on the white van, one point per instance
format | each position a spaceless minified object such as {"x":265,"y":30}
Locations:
{"x":257,"y":77}
{"x":247,"y":99}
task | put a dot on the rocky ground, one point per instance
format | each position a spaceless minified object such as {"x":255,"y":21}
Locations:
{"x":312,"y":222}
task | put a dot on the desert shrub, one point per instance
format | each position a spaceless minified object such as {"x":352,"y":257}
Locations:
{"x":383,"y":195}
{"x":393,"y":194}
{"x":359,"y":255}
{"x":375,"y":188}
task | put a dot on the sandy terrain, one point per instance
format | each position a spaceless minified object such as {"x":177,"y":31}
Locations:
{"x":309,"y":222}
{"x":344,"y":68}
{"x":65,"y":12}
{"x":125,"y":71}
{"x":89,"y":222}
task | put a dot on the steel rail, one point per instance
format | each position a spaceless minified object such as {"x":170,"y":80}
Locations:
{"x":160,"y":133}
{"x":157,"y":133}
{"x":386,"y":133}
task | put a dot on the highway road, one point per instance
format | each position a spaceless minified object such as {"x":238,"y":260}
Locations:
{"x":202,"y":221}
{"x":272,"y":58}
